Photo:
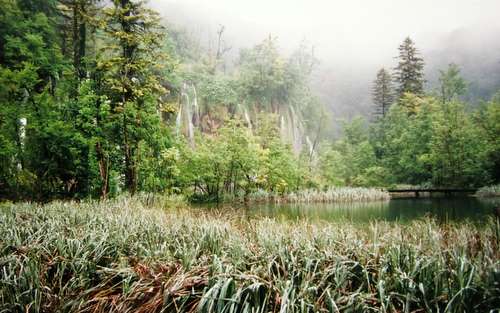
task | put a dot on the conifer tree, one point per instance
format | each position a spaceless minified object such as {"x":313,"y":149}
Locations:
{"x":130,"y":77}
{"x":382,"y":92}
{"x":409,"y":74}
{"x":76,"y":17}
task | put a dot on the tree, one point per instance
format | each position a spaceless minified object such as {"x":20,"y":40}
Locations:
{"x":411,"y":102}
{"x":77,"y":15}
{"x":30,"y":64}
{"x":407,"y":138}
{"x":262,"y":76}
{"x":409,"y":74}
{"x":487,"y":119}
{"x":382,"y":92}
{"x":452,"y":85}
{"x":458,"y":149}
{"x":278,"y":168}
{"x":351,"y":160}
{"x":226,"y":163}
{"x":220,"y":51}
{"x":129,"y":66}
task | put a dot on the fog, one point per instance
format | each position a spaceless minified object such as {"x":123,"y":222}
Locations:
{"x":353,"y":39}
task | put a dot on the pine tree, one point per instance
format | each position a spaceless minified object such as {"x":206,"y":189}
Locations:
{"x":382,"y":93}
{"x":409,"y":74}
{"x":76,"y":17}
{"x":129,"y":66}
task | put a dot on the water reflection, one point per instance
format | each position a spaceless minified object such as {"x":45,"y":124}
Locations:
{"x":403,"y":210}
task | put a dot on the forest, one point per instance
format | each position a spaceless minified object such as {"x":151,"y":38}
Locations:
{"x":115,"y":125}
{"x":103,"y":99}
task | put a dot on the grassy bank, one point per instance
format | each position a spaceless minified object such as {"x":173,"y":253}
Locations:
{"x":489,"y":191}
{"x":334,"y":194}
{"x":125,"y":256}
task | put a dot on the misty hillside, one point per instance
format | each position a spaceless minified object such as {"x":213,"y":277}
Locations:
{"x":478,"y":57}
{"x":347,"y":89}
{"x":343,"y":77}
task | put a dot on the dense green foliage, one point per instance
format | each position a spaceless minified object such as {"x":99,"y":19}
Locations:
{"x":79,"y":105}
{"x":127,"y":255}
{"x":99,"y":98}
{"x":431,"y":140}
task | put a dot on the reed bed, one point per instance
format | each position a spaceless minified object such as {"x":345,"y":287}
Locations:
{"x":333,"y":194}
{"x":128,"y":255}
{"x":489,"y":191}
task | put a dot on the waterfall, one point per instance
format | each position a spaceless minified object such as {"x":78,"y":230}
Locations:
{"x":242,"y":111}
{"x":290,"y":122}
{"x":178,"y":121}
{"x":247,"y":118}
{"x":196,"y":107}
{"x":22,"y":129}
{"x":292,"y":131}
{"x":22,"y":135}
{"x":296,"y":131}
{"x":189,"y":117}
{"x":282,"y":127}
{"x":23,"y":121}
{"x":310,"y":145}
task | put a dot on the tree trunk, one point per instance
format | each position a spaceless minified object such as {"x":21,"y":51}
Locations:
{"x":103,"y":170}
{"x":82,"y":40}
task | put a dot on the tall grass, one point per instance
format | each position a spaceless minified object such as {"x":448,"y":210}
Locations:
{"x":128,"y":255}
{"x":489,"y":191}
{"x":333,"y":194}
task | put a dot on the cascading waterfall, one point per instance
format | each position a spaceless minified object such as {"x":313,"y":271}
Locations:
{"x":196,"y":107}
{"x":188,"y":112}
{"x":189,"y":117}
{"x":247,"y":118}
{"x":23,"y":121}
{"x":296,"y":131}
{"x":282,"y":127}
{"x":290,"y":122}
{"x":286,"y":127}
{"x":310,"y":146}
{"x":22,"y":129}
{"x":22,"y":135}
{"x":178,"y":122}
{"x":244,"y":113}
{"x":292,"y":131}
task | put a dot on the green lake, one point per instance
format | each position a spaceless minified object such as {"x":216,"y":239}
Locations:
{"x":451,"y":209}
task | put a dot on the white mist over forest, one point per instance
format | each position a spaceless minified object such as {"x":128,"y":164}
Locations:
{"x":354,"y":39}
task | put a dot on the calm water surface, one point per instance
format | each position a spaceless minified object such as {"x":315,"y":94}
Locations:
{"x":402,"y":210}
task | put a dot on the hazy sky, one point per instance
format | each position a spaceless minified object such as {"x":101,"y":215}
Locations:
{"x":338,"y":29}
{"x":354,"y":38}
